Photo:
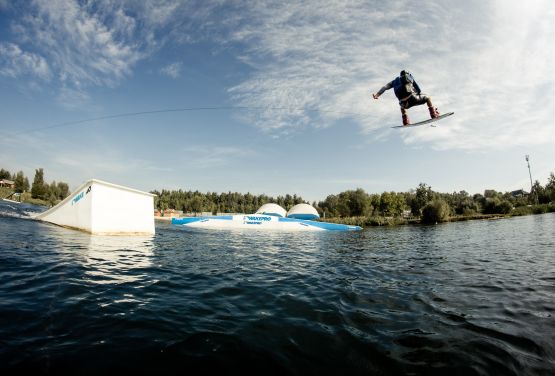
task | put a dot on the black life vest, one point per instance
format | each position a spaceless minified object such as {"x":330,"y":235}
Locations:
{"x":402,"y":86}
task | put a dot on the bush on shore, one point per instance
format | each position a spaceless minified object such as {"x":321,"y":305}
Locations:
{"x":436,"y":211}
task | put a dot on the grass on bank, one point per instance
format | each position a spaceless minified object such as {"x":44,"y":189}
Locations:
{"x":397,"y":221}
{"x":25,"y":197}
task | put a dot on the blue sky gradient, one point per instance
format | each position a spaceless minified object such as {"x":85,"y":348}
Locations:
{"x":292,"y":84}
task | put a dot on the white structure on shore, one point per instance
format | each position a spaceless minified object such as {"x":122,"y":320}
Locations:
{"x":103,"y":208}
{"x":303,"y":211}
{"x":272,"y":209}
{"x":301,"y":217}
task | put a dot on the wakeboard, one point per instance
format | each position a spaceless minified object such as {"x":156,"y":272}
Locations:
{"x":429,"y":121}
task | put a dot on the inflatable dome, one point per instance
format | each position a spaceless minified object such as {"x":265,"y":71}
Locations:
{"x":303,"y":211}
{"x":272,"y":209}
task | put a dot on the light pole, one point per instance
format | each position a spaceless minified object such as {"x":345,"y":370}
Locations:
{"x":530,"y":173}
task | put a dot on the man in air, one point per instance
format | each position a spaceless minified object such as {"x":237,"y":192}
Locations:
{"x":407,"y":91}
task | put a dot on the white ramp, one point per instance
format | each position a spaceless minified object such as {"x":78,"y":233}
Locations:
{"x":103,"y":208}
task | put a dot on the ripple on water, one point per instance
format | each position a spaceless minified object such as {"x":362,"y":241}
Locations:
{"x":467,"y":298}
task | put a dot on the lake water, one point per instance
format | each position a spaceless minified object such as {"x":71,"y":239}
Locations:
{"x":467,"y":298}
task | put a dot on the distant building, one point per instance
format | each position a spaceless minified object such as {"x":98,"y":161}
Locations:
{"x":7,"y":183}
{"x":519,"y":193}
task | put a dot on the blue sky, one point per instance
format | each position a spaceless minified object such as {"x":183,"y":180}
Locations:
{"x":292,"y":84}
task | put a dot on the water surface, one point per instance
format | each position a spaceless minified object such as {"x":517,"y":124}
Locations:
{"x":468,"y":298}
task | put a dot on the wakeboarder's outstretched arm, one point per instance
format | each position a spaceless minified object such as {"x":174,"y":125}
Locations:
{"x":386,"y":87}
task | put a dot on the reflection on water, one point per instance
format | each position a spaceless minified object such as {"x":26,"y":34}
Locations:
{"x":19,"y":210}
{"x":117,"y":259}
{"x":469,"y":298}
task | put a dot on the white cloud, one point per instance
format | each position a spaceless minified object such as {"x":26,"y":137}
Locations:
{"x":81,"y":45}
{"x":160,"y":11}
{"x":72,"y":98}
{"x":315,"y":63}
{"x":306,"y":55}
{"x":15,"y":62}
{"x":4,"y":4}
{"x":84,"y":48}
{"x":488,"y":62}
{"x":501,"y":99}
{"x":172,"y":70}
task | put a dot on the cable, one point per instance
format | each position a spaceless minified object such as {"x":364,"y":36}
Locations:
{"x":220,"y":108}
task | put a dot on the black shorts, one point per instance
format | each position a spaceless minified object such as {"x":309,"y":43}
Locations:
{"x":413,"y":100}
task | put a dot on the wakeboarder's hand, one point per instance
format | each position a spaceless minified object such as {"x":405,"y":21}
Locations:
{"x":375,"y":96}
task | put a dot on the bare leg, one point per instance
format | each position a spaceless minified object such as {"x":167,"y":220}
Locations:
{"x":433,"y":111}
{"x":405,"y":116}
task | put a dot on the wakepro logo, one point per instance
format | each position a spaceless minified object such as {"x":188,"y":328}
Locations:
{"x":254,"y":220}
{"x":77,"y":198}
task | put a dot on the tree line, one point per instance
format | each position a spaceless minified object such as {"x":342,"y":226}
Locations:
{"x":230,"y":202}
{"x":430,"y":206}
{"x":421,"y":203}
{"x":40,"y":190}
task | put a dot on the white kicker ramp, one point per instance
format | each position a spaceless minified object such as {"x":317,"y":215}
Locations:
{"x":104,"y":208}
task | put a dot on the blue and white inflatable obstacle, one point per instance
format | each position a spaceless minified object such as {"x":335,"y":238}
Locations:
{"x":268,"y":217}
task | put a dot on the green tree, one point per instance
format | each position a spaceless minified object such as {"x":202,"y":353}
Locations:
{"x":329,"y":206}
{"x":52,"y":193}
{"x":53,"y":189}
{"x":550,"y":187}
{"x":358,"y":203}
{"x":342,"y":208}
{"x":504,"y":207}
{"x":21,"y":182}
{"x":491,"y":193}
{"x":463,"y":203}
{"x":352,"y":203}
{"x":541,"y":195}
{"x":436,"y":211}
{"x":480,"y":200}
{"x":491,"y":204}
{"x":392,"y":203}
{"x":497,"y":205}
{"x":39,"y":189}
{"x":375,"y":204}
{"x":63,"y":190}
{"x":197,"y":204}
{"x":5,"y":174}
{"x":423,"y":195}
